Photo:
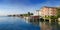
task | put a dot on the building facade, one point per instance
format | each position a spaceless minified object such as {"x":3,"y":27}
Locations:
{"x":37,"y":12}
{"x":48,"y":11}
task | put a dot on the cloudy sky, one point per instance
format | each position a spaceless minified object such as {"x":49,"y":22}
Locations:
{"x":24,"y":6}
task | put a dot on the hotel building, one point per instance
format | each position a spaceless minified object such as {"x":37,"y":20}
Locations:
{"x":48,"y":11}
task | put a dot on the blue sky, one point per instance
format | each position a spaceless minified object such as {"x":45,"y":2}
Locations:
{"x":24,"y":6}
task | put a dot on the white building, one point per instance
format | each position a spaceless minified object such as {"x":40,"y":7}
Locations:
{"x":36,"y":13}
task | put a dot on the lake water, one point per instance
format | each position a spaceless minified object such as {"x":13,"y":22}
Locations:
{"x":15,"y":23}
{"x":50,"y":26}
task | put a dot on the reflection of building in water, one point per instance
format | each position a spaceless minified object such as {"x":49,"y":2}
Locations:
{"x":49,"y":26}
{"x":45,"y":26}
{"x":35,"y":23}
{"x":59,"y":23}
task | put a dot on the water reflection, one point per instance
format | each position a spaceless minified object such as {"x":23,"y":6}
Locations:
{"x":15,"y":23}
{"x":47,"y":25}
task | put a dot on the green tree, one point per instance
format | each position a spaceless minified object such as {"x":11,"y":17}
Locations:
{"x":29,"y":13}
{"x":58,"y":12}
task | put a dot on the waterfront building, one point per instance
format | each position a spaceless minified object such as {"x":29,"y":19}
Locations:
{"x":37,"y":13}
{"x":48,"y":11}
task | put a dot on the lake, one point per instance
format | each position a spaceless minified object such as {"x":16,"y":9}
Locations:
{"x":16,"y":23}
